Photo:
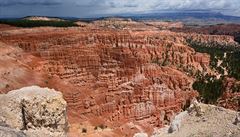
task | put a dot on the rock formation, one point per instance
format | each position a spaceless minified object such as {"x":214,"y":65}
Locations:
{"x":215,"y":121}
{"x":221,"y":29}
{"x":237,"y":119}
{"x":119,"y":73}
{"x":130,"y":76}
{"x":35,"y":111}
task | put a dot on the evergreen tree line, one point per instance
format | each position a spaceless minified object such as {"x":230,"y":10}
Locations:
{"x":37,"y":23}
{"x":209,"y":87}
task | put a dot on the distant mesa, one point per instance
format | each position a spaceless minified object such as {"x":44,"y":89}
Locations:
{"x":117,"y":19}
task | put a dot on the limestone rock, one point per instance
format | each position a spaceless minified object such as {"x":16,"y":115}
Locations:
{"x":43,"y":132}
{"x":140,"y":135}
{"x":196,"y":107}
{"x":34,"y":108}
{"x":6,"y":131}
{"x":237,"y":119}
{"x":10,"y":132}
{"x":215,"y":122}
{"x":176,"y":123}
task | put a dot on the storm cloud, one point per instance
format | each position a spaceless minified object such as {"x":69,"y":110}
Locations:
{"x":84,"y":8}
{"x":29,"y":2}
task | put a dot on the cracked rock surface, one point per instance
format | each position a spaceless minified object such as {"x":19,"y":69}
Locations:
{"x":35,"y":111}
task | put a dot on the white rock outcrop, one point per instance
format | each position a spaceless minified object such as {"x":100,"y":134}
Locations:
{"x":140,"y":135}
{"x":176,"y":123}
{"x":34,"y":110}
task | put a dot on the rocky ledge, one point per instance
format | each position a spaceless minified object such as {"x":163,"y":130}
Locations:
{"x":201,"y":120}
{"x":33,"y":112}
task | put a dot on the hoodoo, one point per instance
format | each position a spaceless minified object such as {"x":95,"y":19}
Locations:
{"x":117,"y":77}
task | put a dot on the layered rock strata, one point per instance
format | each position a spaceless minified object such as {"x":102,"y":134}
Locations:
{"x":120,"y":76}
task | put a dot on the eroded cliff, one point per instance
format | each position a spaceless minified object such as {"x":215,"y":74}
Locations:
{"x":110,"y":77}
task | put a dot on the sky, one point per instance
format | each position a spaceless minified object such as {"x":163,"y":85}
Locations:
{"x":93,"y":8}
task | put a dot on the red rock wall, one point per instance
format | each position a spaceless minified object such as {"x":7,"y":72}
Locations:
{"x":122,"y":76}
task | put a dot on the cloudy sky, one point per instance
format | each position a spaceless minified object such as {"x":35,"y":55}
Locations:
{"x":91,"y":8}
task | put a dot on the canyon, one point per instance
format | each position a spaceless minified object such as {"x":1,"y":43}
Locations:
{"x":121,"y":76}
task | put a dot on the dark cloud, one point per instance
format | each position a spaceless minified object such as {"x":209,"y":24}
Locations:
{"x":83,"y":8}
{"x":29,"y":3}
{"x":130,"y":5}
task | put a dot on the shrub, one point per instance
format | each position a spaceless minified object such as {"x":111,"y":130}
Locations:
{"x":46,"y":82}
{"x":237,"y":38}
{"x":102,"y":126}
{"x":7,"y":86}
{"x":209,"y":88}
{"x":84,"y":130}
{"x":236,"y":88}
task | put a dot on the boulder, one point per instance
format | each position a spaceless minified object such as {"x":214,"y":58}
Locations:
{"x":34,"y":109}
{"x":237,"y":119}
{"x":196,"y":107}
